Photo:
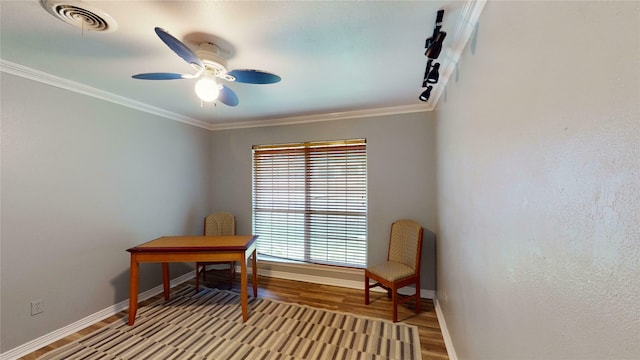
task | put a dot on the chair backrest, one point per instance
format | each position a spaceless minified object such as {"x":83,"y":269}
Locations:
{"x":405,"y":243}
{"x":220,"y":223}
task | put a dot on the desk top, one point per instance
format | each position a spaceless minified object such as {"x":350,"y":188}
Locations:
{"x":197,"y":243}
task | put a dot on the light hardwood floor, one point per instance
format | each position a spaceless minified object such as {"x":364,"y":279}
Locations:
{"x":322,"y":296}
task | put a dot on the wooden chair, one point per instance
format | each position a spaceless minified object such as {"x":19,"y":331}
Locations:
{"x":219,"y":223}
{"x":402,"y":267}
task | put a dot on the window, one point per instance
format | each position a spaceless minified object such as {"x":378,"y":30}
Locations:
{"x":310,"y":201}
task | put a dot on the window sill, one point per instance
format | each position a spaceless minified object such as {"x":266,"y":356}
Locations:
{"x":314,"y":273}
{"x":276,"y":260}
{"x":272,"y":259}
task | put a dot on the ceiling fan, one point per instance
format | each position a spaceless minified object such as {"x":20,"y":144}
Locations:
{"x":209,"y":66}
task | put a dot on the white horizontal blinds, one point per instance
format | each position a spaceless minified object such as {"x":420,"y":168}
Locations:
{"x":310,"y":201}
{"x":279,"y":201}
{"x":336,"y":204}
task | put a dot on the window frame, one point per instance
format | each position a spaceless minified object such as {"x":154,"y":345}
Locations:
{"x":342,"y":214}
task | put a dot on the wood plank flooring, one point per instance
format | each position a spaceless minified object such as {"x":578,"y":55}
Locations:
{"x":322,"y":296}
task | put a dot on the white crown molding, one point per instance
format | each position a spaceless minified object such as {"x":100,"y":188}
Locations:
{"x":45,"y":78}
{"x":394,"y":110}
{"x":466,"y":25}
{"x":49,"y":79}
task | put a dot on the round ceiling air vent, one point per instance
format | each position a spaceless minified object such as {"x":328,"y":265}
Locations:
{"x":81,"y":15}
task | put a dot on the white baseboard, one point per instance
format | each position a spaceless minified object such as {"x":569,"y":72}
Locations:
{"x":324,"y":280}
{"x":56,"y":335}
{"x":445,"y":331}
{"x":53,"y":336}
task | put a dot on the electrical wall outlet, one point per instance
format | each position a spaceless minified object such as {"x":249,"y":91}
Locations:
{"x":37,"y":306}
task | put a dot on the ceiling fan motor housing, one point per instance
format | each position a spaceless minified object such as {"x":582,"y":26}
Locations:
{"x":209,"y":53}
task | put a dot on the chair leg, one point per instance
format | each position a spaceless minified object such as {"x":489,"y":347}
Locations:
{"x":394,"y":303}
{"x":197,"y":280}
{"x":418,"y":296}
{"x":232,"y":273}
{"x":366,"y":290}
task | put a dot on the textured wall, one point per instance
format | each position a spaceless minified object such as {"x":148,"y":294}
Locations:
{"x":400,"y":164}
{"x":82,"y":181}
{"x":538,"y":184}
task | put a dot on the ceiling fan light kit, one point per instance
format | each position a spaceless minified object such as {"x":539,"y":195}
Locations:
{"x":210,"y":66}
{"x":433,"y":46}
{"x":206,"y":87}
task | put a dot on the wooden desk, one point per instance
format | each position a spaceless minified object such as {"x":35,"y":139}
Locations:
{"x":193,"y":249}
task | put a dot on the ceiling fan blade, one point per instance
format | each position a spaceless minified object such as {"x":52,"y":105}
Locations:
{"x":179,"y":48}
{"x":161,"y":76}
{"x":254,"y":76}
{"x":227,"y":96}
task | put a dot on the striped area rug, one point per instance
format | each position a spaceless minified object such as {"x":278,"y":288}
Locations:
{"x":208,"y":325}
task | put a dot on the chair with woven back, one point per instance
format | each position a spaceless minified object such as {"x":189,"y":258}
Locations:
{"x":216,"y":224}
{"x":402,"y":267}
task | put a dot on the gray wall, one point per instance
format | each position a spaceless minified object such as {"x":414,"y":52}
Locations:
{"x":538,"y":184}
{"x":82,"y":181}
{"x":400,"y":163}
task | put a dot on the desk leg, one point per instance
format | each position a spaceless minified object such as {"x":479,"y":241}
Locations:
{"x":165,"y":280}
{"x":133,"y":289}
{"x":243,"y":288}
{"x":254,"y":267}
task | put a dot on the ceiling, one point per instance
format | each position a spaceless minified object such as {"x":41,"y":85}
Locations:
{"x":336,"y":59}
